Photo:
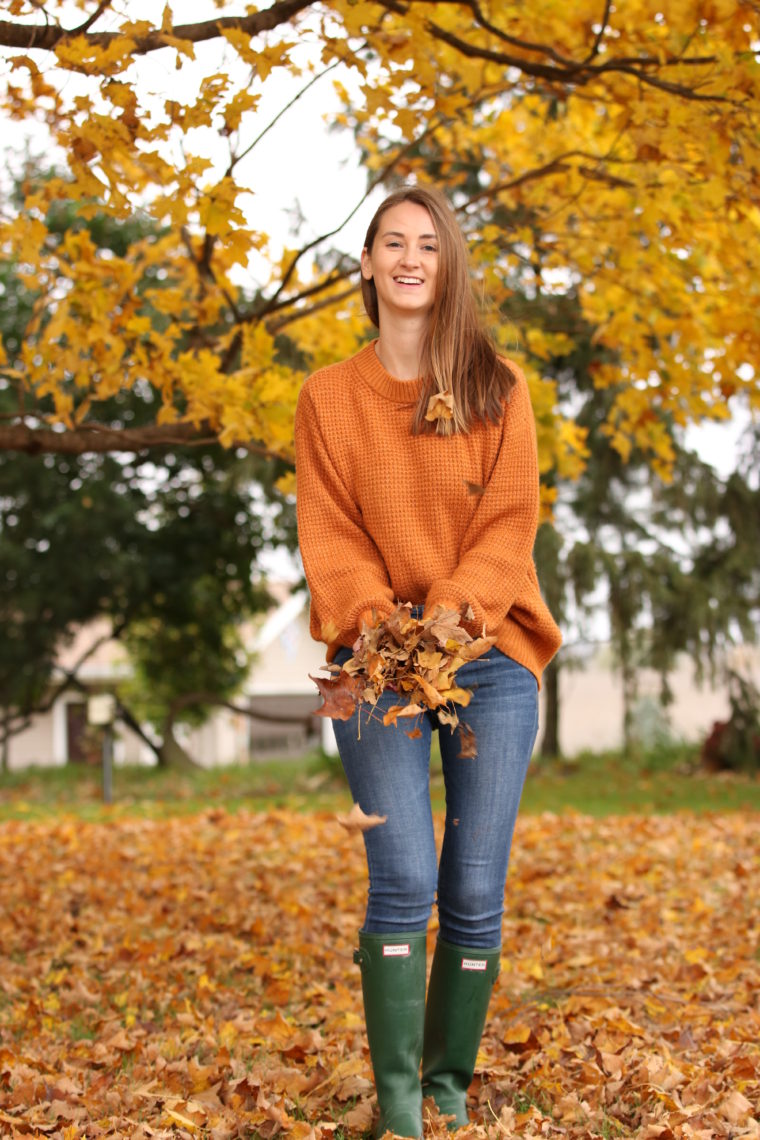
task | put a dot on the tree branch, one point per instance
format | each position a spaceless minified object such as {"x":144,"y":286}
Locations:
{"x":285,"y":303}
{"x":127,"y":717}
{"x":11,"y":727}
{"x":89,"y":437}
{"x":598,"y":38}
{"x":92,"y":438}
{"x":379,"y":178}
{"x":85,"y":27}
{"x":556,"y":166}
{"x":46,"y":38}
{"x":523,"y":45}
{"x":564,"y":71}
{"x":206,"y":698}
{"x":299,"y":94}
{"x":298,"y":314}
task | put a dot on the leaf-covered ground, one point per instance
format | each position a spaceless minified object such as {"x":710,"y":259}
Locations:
{"x":193,"y":977}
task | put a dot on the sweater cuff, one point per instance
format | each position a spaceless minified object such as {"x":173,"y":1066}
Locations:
{"x":449,"y":595}
{"x":371,"y":617}
{"x":363,"y":613}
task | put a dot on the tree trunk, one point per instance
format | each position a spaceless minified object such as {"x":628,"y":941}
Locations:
{"x":170,"y":752}
{"x":549,"y":747}
{"x":550,"y":572}
{"x":630,"y":678}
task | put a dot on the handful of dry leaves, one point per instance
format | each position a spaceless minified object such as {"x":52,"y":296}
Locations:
{"x":414,"y":658}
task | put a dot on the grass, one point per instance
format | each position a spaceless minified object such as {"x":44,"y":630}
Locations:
{"x":665,"y":780}
{"x":656,"y":782}
{"x":305,"y":783}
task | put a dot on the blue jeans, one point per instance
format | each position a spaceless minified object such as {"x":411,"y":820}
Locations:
{"x":389,"y":774}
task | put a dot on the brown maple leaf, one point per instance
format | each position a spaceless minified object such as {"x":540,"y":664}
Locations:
{"x":340,"y":695}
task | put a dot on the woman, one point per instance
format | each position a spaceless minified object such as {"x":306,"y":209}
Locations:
{"x":440,"y":512}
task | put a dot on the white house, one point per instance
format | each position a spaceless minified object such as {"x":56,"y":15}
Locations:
{"x":278,"y":687}
{"x":278,"y":683}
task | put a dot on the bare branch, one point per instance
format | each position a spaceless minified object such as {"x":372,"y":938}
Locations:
{"x":514,"y":41}
{"x":379,"y":178}
{"x":598,"y":38}
{"x":299,"y":314}
{"x":127,"y":717}
{"x":286,"y":302}
{"x":243,"y":154}
{"x":556,"y":166}
{"x":85,"y":27}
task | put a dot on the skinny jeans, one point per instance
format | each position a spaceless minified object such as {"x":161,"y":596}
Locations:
{"x":389,"y":774}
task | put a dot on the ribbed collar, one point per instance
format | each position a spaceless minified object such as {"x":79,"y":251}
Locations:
{"x":367,"y":364}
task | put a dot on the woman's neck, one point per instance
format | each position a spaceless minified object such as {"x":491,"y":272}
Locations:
{"x":399,"y":347}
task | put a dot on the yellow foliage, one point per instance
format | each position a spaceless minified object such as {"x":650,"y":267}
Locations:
{"x":638,"y":191}
{"x":218,"y":208}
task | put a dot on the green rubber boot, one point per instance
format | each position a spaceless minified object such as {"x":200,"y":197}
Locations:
{"x":393,"y":986}
{"x":461,"y":981}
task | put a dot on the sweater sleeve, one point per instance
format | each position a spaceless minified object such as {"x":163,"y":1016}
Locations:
{"x":345,"y":572}
{"x":496,"y":553}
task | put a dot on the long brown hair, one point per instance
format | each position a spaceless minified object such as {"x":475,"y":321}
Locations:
{"x":458,"y":354}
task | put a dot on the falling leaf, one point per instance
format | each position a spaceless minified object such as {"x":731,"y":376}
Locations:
{"x":356,"y":820}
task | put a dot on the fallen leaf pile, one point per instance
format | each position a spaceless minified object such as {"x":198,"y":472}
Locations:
{"x":193,"y":977}
{"x":415,"y":658}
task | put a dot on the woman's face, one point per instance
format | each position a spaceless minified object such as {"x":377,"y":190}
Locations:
{"x":403,"y":261}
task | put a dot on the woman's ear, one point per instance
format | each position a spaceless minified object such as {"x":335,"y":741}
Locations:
{"x":366,"y":265}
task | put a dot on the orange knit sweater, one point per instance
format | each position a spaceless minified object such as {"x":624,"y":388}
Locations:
{"x":386,"y":516}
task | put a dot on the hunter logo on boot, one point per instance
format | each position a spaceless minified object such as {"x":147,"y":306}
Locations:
{"x":396,"y":950}
{"x":477,"y":964}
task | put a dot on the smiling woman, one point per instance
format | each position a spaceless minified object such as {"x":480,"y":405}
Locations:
{"x":418,"y":483}
{"x":402,"y":268}
{"x":417,"y":291}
